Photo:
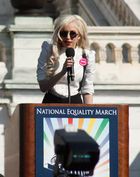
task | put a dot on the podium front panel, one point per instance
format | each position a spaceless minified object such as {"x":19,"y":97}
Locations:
{"x":29,"y":136}
{"x":100,"y":122}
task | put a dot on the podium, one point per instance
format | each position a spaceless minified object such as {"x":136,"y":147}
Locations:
{"x":29,"y":137}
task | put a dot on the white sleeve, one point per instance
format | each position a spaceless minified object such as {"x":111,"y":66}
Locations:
{"x":44,"y":55}
{"x":87,"y":85}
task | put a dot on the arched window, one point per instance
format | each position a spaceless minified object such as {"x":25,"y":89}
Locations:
{"x":95,"y":47}
{"x":110,"y":53}
{"x":126,"y":53}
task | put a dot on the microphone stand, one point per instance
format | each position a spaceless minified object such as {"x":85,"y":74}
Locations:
{"x":68,"y":80}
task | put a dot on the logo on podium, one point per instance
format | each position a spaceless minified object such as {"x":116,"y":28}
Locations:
{"x":100,"y":123}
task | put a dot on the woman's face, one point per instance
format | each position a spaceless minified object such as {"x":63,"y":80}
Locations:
{"x":69,"y":35}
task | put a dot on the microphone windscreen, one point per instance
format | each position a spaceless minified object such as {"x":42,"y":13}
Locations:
{"x":70,"y":52}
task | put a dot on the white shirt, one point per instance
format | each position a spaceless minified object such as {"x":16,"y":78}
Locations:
{"x":61,"y":87}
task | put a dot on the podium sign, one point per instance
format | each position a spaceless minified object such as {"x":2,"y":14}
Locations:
{"x":101,"y":123}
{"x":29,"y":136}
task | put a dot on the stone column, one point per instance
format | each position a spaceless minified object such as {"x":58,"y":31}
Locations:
{"x":118,"y":54}
{"x":27,"y":35}
{"x":134,"y":55}
{"x":102,"y":55}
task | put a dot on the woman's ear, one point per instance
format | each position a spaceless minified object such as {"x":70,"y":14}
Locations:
{"x":79,"y":37}
{"x":79,"y":40}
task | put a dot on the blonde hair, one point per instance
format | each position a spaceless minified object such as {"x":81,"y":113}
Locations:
{"x":80,"y":24}
{"x":59,"y":23}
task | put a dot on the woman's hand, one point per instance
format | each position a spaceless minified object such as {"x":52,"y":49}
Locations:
{"x":68,"y":64}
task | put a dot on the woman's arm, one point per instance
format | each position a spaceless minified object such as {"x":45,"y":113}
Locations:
{"x":88,"y":98}
{"x":46,"y":85}
{"x":87,"y":88}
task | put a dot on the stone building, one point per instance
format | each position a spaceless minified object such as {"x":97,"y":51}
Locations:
{"x":114,"y":34}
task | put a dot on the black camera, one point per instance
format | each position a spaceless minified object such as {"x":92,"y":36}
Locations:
{"x":77,"y":153}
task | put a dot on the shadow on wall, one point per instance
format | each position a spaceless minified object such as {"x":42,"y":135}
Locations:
{"x":135,"y":167}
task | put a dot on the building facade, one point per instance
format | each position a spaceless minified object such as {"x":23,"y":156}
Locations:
{"x":114,"y":34}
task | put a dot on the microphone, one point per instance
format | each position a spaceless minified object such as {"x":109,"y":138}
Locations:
{"x":70,"y":53}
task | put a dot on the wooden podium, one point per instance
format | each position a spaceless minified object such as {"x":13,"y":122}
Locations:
{"x":20,"y":138}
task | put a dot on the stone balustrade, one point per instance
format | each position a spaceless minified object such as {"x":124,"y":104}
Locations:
{"x":117,"y":54}
{"x":121,"y":43}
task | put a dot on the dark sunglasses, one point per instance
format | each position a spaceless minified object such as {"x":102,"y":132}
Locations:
{"x":64,"y":34}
